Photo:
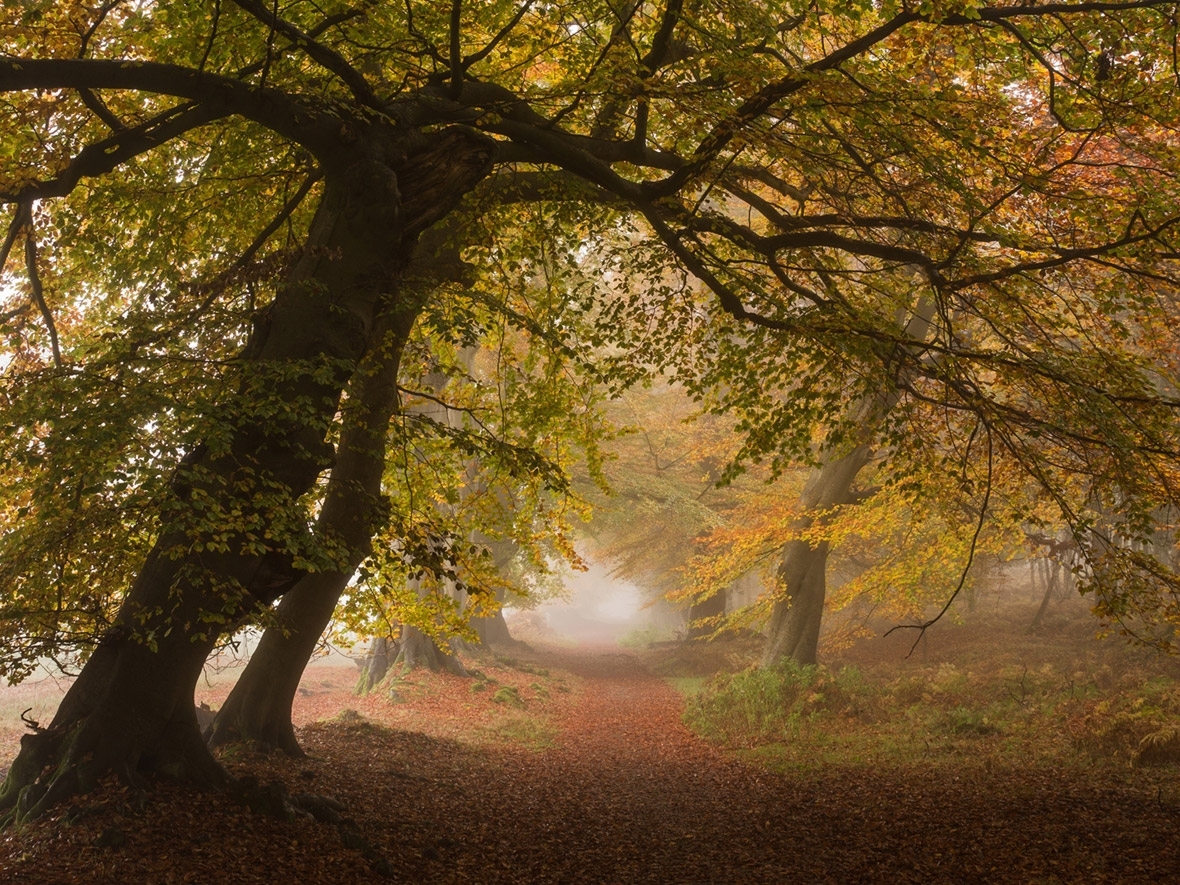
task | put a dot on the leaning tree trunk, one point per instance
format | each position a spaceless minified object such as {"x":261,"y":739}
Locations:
{"x":258,"y":708}
{"x":802,"y":575}
{"x":131,"y":709}
{"x":801,"y":582}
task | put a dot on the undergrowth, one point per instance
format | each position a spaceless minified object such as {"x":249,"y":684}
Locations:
{"x":522,"y":729}
{"x":984,"y":710}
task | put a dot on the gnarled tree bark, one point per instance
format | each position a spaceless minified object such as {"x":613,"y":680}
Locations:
{"x":131,"y":709}
{"x":258,"y":708}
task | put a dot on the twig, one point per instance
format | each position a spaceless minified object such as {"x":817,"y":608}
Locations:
{"x":37,"y":290}
{"x":987,"y":492}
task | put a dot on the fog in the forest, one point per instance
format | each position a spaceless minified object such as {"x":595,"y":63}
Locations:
{"x":598,"y":609}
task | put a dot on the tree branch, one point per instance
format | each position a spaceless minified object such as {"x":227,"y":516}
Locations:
{"x":322,"y":55}
{"x":477,"y":57}
{"x":217,"y":96}
{"x":983,"y":510}
{"x":37,"y":290}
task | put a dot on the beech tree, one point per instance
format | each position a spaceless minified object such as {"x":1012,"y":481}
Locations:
{"x":218,"y":206}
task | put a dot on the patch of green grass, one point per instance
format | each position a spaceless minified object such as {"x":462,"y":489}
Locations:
{"x":644,"y":636}
{"x":793,"y":718}
{"x":688,"y":686}
{"x":524,"y":730}
{"x":760,"y":706}
{"x":397,"y":687}
{"x":509,"y":696}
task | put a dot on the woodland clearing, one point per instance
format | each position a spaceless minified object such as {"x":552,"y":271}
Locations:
{"x":573,"y":765}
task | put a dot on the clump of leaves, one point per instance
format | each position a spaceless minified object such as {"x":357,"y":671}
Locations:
{"x":354,"y":723}
{"x":1159,"y":748}
{"x":1132,"y":726}
{"x":966,"y":722}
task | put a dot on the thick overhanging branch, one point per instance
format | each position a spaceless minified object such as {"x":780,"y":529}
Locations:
{"x":217,"y":96}
{"x":104,"y":156}
{"x":518,"y":120}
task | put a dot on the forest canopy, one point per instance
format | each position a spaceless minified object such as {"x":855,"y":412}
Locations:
{"x":936,"y":238}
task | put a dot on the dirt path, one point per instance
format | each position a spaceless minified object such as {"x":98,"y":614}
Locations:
{"x":628,"y":795}
{"x":624,"y":795}
{"x":632,"y":796}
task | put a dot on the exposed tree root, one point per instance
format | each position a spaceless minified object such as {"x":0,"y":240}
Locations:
{"x":416,"y":649}
{"x":57,"y":763}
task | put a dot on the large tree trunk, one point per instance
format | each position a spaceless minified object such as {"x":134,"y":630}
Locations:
{"x":416,"y":649}
{"x":258,"y":708}
{"x":492,"y":630}
{"x":131,"y":709}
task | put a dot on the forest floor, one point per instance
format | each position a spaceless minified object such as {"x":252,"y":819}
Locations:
{"x":572,"y":765}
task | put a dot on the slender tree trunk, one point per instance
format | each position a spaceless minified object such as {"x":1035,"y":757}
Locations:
{"x":1049,"y":570}
{"x":797,"y":614}
{"x":131,"y":709}
{"x":258,"y":708}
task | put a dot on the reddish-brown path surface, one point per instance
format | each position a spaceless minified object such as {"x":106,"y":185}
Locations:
{"x":447,"y":787}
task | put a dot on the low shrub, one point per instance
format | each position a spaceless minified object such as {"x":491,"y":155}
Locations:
{"x":771,"y":704}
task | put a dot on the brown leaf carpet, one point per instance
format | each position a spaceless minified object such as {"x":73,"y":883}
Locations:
{"x":615,"y":791}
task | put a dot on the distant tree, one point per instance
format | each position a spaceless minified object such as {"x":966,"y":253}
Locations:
{"x":663,"y":469}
